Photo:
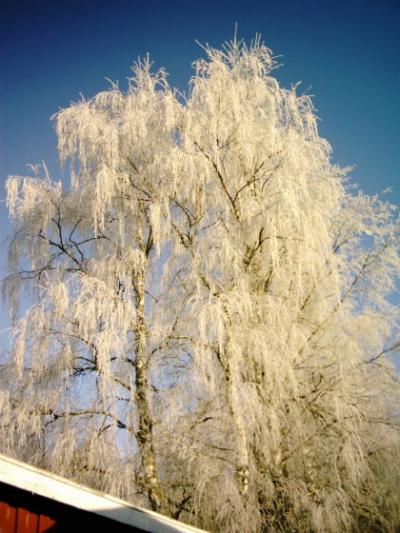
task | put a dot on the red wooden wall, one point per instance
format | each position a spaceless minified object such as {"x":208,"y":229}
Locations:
{"x":20,"y":520}
{"x":24,"y":512}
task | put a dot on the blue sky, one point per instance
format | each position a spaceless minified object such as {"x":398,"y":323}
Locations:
{"x":346,"y":53}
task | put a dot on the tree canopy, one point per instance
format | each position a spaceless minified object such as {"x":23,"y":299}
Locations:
{"x":211,"y":308}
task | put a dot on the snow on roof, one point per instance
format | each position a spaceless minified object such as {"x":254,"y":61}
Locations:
{"x":56,"y":488}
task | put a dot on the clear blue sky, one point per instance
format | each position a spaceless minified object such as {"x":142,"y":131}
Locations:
{"x":345,"y":52}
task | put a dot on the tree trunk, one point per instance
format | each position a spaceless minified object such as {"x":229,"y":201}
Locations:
{"x":143,"y":401}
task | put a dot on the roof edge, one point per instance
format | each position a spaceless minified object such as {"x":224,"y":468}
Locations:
{"x":56,"y":488}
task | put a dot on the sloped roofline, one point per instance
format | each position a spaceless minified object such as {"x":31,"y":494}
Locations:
{"x":56,"y":488}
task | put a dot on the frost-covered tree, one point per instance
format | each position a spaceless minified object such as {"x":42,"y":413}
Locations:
{"x":211,"y":309}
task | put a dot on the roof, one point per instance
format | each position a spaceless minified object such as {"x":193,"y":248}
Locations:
{"x":56,"y":488}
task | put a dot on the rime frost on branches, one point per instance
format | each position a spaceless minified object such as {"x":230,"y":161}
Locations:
{"x":211,"y":308}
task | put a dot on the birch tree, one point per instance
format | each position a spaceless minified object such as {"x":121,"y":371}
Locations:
{"x":211,"y":308}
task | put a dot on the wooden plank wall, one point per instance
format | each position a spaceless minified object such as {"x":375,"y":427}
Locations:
{"x":21,"y":520}
{"x":24,"y":512}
